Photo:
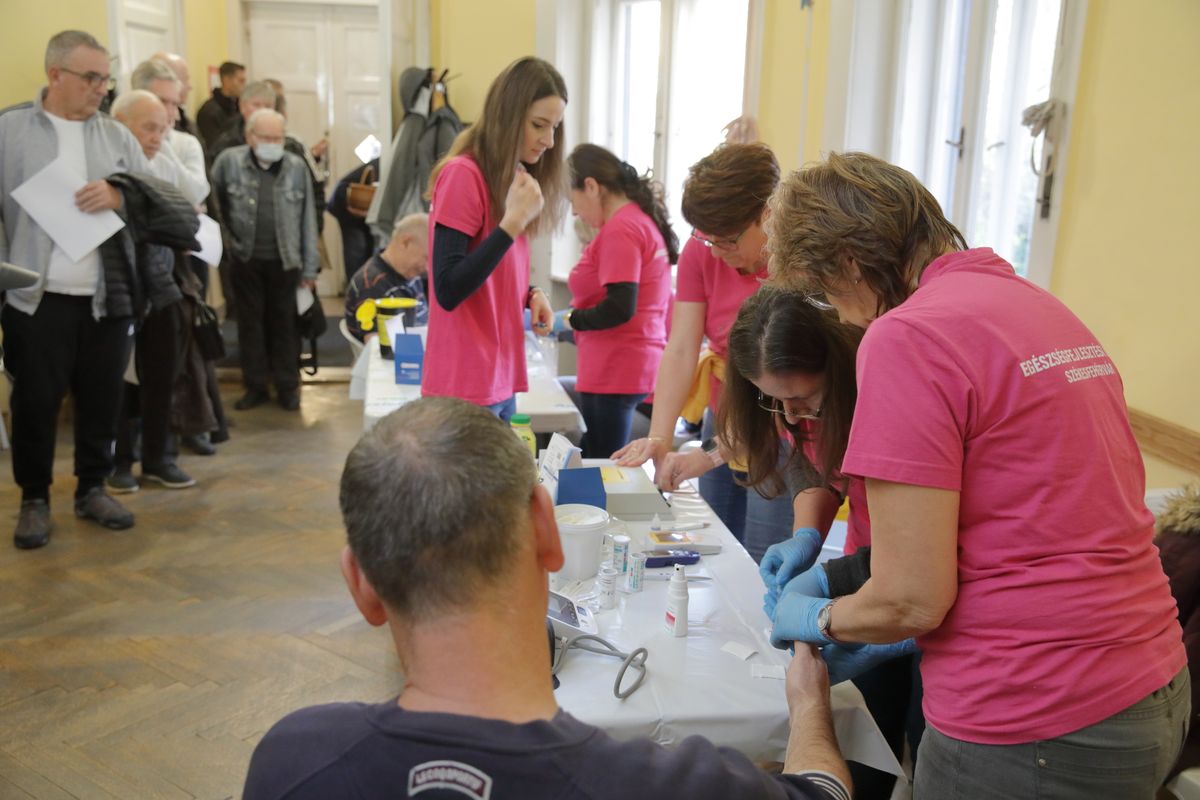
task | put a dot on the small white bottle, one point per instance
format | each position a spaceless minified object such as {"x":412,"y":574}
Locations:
{"x":677,"y":602}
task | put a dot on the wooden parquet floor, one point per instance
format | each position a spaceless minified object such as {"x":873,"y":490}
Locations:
{"x":148,"y":663}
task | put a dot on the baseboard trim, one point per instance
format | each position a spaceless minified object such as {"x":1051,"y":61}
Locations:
{"x":1166,"y":440}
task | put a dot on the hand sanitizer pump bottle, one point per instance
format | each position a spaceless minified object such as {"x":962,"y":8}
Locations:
{"x":677,"y":602}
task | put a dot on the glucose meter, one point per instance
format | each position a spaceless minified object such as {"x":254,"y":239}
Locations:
{"x":568,"y":617}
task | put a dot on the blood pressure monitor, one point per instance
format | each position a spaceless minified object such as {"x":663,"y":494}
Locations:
{"x":568,"y":617}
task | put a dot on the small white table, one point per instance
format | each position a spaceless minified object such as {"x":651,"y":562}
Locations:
{"x":547,"y":403}
{"x":692,"y":686}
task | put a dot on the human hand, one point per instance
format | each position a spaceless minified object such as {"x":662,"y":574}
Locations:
{"x":522,"y":204}
{"x":639,"y":451}
{"x":679,"y":467}
{"x":319,"y":149}
{"x":561,"y":321}
{"x":814,"y":582}
{"x":848,"y":661}
{"x":541,"y":315}
{"x":785,"y":560}
{"x":796,"y":620}
{"x":808,"y":679}
{"x":308,"y":283}
{"x":97,"y":196}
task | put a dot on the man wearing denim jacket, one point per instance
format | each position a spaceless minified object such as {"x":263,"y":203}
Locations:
{"x":267,"y":203}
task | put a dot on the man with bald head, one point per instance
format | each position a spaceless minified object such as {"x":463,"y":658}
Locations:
{"x":182,"y":150}
{"x":74,"y":326}
{"x":178,"y":65}
{"x":266,"y":198}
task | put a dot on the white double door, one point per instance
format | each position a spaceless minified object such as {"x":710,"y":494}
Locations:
{"x":329,"y":59}
{"x":140,"y":28}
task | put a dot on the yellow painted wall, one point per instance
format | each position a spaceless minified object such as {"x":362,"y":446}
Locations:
{"x":205,"y":42}
{"x":27,"y":28}
{"x":1127,"y":259}
{"x":783,"y":116}
{"x":476,"y":39}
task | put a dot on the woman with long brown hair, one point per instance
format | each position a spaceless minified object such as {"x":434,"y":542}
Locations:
{"x":502,"y":180}
{"x":620,"y":293}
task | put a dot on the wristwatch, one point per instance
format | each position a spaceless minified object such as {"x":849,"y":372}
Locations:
{"x":824,"y":619}
{"x":712,"y":448}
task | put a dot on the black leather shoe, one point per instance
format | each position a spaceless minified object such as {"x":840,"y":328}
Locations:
{"x":33,"y":526}
{"x":200,"y":444}
{"x":252,"y":399}
{"x":289,"y":400}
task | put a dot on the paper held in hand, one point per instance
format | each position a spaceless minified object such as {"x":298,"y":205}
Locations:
{"x":49,"y":197}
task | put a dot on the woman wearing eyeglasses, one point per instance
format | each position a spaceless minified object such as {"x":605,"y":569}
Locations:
{"x":1009,"y":532}
{"x":724,"y":197}
{"x":620,"y":293}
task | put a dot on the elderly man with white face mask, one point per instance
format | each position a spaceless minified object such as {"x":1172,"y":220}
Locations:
{"x":266,"y":198}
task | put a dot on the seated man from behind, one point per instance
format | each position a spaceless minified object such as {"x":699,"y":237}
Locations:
{"x":460,"y":579}
{"x":398,"y":270}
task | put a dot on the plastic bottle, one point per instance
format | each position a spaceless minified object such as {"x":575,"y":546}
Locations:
{"x":677,"y":603}
{"x":521,"y":427}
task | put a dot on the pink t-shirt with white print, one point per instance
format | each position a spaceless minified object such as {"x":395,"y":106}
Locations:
{"x":477,"y":351}
{"x":984,"y":384}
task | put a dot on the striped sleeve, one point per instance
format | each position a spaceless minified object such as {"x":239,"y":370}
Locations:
{"x":826,"y":783}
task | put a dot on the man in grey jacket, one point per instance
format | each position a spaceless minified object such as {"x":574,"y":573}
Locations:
{"x":72,"y":329}
{"x":266,"y":199}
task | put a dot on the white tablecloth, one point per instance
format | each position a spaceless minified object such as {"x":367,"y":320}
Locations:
{"x":547,"y":404}
{"x":692,"y":686}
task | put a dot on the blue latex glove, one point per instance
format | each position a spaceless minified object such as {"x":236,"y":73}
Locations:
{"x":846,"y":661}
{"x":528,"y":320}
{"x":796,"y":620}
{"x":560,"y":324}
{"x":786,"y":560}
{"x":813,"y":582}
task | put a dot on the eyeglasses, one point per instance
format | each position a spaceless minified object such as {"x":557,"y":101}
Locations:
{"x":818,"y":300}
{"x":94,"y":79}
{"x":718,"y":244}
{"x":773,"y":405}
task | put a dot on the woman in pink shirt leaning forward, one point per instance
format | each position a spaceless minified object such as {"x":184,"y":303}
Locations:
{"x":1008,"y":528}
{"x":501,"y":180}
{"x":620,"y":293}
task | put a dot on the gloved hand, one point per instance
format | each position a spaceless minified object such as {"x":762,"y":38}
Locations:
{"x":796,"y":620}
{"x":786,"y":560}
{"x":847,"y":661}
{"x":560,"y":321}
{"x":814,"y":582}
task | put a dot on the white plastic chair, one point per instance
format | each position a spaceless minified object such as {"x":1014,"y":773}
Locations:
{"x":356,"y":346}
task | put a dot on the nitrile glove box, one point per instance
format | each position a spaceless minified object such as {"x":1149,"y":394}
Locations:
{"x":409,"y":358}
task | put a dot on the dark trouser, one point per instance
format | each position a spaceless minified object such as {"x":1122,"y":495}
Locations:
{"x":1124,"y":757}
{"x":608,"y":418}
{"x":892,"y":692}
{"x":61,"y":348}
{"x":266,"y":323}
{"x":159,"y":358}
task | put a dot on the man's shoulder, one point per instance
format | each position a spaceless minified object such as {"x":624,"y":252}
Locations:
{"x":26,"y":107}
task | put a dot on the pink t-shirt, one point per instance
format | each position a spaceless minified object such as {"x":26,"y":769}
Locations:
{"x":477,"y":351}
{"x":701,"y":277}
{"x":984,"y":384}
{"x":628,"y":249}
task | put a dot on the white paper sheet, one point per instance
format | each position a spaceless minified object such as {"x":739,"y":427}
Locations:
{"x":209,"y":237}
{"x":304,"y":299}
{"x":395,"y":327}
{"x":49,"y":197}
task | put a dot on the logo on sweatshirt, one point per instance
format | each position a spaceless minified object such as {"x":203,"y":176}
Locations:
{"x":452,"y":775}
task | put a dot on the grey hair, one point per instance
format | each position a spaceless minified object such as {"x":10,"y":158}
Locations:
{"x":416,"y":224}
{"x":126,"y":101}
{"x":259,"y":90}
{"x":64,"y":43}
{"x":435,"y":501}
{"x":152,"y":70}
{"x":263,"y":113}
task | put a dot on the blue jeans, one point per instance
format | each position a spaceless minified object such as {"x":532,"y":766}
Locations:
{"x":1124,"y":757}
{"x":608,"y":418}
{"x":504,"y":409}
{"x":755,"y":521}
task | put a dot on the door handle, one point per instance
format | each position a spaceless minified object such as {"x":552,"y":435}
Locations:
{"x":962,"y":136}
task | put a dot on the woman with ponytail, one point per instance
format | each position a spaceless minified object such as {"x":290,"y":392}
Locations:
{"x":620,"y":293}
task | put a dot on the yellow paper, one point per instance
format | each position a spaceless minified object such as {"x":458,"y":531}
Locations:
{"x":612,"y":475}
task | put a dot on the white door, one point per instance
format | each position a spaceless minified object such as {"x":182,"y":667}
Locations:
{"x":330,"y":62}
{"x":140,"y":28}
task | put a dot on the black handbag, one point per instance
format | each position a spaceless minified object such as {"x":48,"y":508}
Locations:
{"x":311,"y":325}
{"x":206,"y":331}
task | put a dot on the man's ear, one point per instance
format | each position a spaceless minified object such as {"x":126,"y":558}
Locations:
{"x":545,"y":530}
{"x":369,"y":604}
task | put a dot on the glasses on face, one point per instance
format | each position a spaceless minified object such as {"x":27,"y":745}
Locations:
{"x":94,"y":79}
{"x":818,"y":300}
{"x":768,"y":403}
{"x":718,"y":244}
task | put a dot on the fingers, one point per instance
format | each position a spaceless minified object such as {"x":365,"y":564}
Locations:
{"x":633,"y":454}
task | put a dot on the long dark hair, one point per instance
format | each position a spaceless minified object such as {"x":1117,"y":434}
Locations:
{"x":620,"y":178}
{"x":778,"y":331}
{"x":495,"y":139}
